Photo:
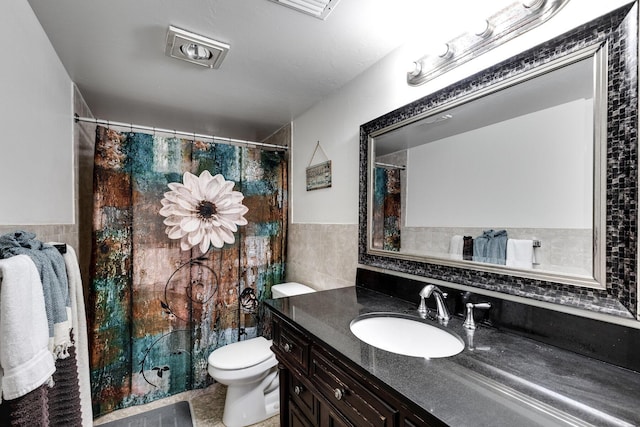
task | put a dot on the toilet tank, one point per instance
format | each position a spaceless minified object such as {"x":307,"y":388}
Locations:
{"x":290,"y":289}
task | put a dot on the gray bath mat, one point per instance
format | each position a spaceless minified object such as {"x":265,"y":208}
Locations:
{"x":174,"y":415}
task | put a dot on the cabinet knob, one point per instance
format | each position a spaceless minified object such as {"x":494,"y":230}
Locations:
{"x":338,"y":393}
{"x":287,"y":347}
{"x":298,"y":389}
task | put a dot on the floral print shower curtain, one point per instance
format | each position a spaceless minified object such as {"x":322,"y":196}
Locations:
{"x":157,"y":310}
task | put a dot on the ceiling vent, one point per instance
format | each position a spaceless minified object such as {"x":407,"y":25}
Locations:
{"x":318,"y":8}
{"x":190,"y":47}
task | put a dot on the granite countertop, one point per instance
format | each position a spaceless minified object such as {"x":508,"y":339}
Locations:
{"x":499,"y":379}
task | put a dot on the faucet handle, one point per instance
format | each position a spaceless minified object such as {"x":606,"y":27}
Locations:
{"x":469,"y":321}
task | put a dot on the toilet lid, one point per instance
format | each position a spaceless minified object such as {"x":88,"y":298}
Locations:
{"x":290,"y":289}
{"x":241,"y":354}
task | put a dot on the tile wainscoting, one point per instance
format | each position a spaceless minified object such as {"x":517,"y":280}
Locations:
{"x":323,"y":256}
{"x":66,"y":233}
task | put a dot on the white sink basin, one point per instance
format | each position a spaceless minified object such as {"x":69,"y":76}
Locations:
{"x":405,"y":335}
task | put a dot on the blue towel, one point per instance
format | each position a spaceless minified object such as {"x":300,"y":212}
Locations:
{"x":55,"y":287}
{"x":491,"y":247}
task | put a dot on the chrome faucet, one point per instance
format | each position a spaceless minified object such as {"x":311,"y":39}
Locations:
{"x":426,"y":292}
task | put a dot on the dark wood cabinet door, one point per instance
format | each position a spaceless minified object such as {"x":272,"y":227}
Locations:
{"x":297,"y":418}
{"x":327,"y":417}
{"x":301,"y":394}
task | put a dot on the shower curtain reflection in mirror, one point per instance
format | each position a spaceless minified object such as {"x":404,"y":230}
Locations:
{"x":387,"y":213}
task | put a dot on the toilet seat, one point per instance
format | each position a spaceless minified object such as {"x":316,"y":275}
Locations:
{"x":241,"y":354}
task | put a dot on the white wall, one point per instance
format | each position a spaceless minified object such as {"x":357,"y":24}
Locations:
{"x":335,"y":122}
{"x":511,"y":174}
{"x":36,"y":101}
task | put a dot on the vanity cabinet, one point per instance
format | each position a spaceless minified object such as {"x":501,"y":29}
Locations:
{"x":318,"y":387}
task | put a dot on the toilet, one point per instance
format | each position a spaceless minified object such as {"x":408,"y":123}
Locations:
{"x":249,"y":370}
{"x":289,"y":289}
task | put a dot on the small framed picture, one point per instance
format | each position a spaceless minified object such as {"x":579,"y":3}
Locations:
{"x":319,"y":176}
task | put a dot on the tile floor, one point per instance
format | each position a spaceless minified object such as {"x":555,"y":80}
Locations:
{"x":206,"y":408}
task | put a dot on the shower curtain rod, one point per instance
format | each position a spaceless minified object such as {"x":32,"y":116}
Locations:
{"x":194,"y":135}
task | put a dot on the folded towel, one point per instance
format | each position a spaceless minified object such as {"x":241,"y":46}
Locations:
{"x":32,"y":409}
{"x":491,"y":247}
{"x":53,"y":276}
{"x":25,"y":358}
{"x":58,"y":405}
{"x":79,"y":323}
{"x":520,"y":253}
{"x":64,"y":400}
{"x":455,"y":247}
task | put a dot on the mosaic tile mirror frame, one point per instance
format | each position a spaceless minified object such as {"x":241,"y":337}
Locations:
{"x":617,"y":34}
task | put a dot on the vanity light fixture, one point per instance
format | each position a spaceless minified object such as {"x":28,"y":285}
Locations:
{"x":317,"y":8}
{"x":194,"y":48}
{"x":499,"y":28}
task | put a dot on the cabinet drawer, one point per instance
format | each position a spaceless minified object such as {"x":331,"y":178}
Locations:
{"x":291,"y":345}
{"x":409,"y":419}
{"x":351,"y":397}
{"x":301,"y":394}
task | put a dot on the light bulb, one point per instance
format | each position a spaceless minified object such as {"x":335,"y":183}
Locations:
{"x":533,"y":4}
{"x":446,"y":51}
{"x":483,"y":28}
{"x":195,"y":52}
{"x":415,"y":68}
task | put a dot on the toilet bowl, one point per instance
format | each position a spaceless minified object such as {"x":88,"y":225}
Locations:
{"x":249,"y":370}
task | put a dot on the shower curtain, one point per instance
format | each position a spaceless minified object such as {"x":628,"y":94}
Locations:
{"x":157,"y":311}
{"x":386,"y":213}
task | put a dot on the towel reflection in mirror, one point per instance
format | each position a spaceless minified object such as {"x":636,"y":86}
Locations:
{"x":494,"y":247}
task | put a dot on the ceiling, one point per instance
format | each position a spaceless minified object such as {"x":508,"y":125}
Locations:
{"x":281,"y":62}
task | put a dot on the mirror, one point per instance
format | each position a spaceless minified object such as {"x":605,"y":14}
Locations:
{"x":496,"y":162}
{"x":506,"y":180}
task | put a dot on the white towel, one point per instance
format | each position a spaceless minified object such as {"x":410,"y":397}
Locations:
{"x":520,"y":253}
{"x":455,"y":247}
{"x":25,"y":358}
{"x":79,"y":325}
